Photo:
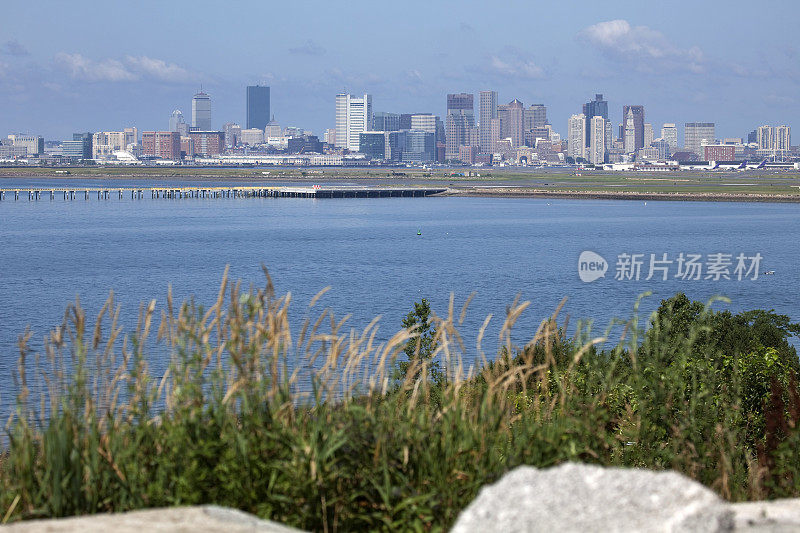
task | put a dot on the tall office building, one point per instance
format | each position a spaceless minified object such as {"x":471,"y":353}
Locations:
{"x":459,"y":122}
{"x":257,"y":106}
{"x":594,"y":108}
{"x":85,"y":138}
{"x":233,"y":134}
{"x":629,"y":141}
{"x":201,"y":111}
{"x":487,"y":112}
{"x":766,"y":138}
{"x":576,"y":135}
{"x":535,"y":117}
{"x":669,"y":133}
{"x":516,"y":123}
{"x":638,"y":123}
{"x":649,"y":135}
{"x":33,"y":143}
{"x":426,"y":122}
{"x":694,"y":133}
{"x":597,"y":146}
{"x":161,"y":144}
{"x":382,"y":121}
{"x":353,"y":116}
{"x":177,"y":123}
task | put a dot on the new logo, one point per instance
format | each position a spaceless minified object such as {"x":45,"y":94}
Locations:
{"x":591,"y":266}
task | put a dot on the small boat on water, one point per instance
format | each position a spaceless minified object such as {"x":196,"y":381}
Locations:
{"x":419,"y":232}
{"x":769,"y":272}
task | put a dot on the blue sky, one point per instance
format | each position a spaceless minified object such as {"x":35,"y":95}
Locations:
{"x":86,"y":65}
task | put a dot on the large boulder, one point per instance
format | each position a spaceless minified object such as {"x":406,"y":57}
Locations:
{"x":576,"y":497}
{"x":206,"y":518}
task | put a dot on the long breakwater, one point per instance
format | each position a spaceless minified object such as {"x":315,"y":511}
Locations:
{"x":106,"y":193}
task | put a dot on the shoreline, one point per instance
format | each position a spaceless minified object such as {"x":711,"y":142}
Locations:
{"x":522,"y":192}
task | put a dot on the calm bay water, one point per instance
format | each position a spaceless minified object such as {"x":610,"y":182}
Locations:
{"x":369,"y":252}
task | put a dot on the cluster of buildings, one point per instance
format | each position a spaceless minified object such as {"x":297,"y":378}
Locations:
{"x":498,"y":134}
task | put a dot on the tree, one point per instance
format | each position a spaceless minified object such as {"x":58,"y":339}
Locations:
{"x":419,"y":349}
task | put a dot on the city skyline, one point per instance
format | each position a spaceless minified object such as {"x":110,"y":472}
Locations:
{"x":682,"y":69}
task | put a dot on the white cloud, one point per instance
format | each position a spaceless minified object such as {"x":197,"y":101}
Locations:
{"x":515,"y":67}
{"x":129,"y":69}
{"x":642,"y":47}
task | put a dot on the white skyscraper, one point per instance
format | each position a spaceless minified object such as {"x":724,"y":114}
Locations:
{"x":424,"y":122}
{"x":783,"y":138}
{"x":597,"y":144}
{"x":576,"y":135}
{"x":629,"y":142}
{"x":669,"y":132}
{"x":649,"y":136}
{"x":694,"y":133}
{"x":201,"y":111}
{"x":353,"y":116}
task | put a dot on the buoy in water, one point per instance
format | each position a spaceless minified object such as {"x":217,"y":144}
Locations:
{"x":419,"y":232}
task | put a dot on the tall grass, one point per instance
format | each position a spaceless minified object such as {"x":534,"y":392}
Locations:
{"x":316,"y":431}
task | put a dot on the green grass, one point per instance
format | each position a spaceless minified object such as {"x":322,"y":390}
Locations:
{"x":320,"y":431}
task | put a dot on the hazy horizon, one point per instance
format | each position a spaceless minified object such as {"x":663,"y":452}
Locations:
{"x":84,"y":67}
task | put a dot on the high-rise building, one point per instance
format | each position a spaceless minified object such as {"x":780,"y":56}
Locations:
{"x":766,"y":138}
{"x":629,"y":141}
{"x":207,"y":143}
{"x":405,"y":121}
{"x":426,"y":122}
{"x":177,"y":123}
{"x":201,"y":111}
{"x":694,"y":133}
{"x":460,"y":121}
{"x":783,"y":138}
{"x":257,"y":106}
{"x":594,"y":108}
{"x":382,"y":121}
{"x":597,"y":146}
{"x":576,"y":135}
{"x":251,"y":136}
{"x":752,"y":137}
{"x":420,"y":146}
{"x":353,"y":116}
{"x":638,"y":124}
{"x":105,"y":143}
{"x":516,"y":123}
{"x":495,"y":131}
{"x":535,"y":117}
{"x":669,"y":133}
{"x":649,"y":135}
{"x":86,"y":139}
{"x":233,"y":134}
{"x":161,"y":144}
{"x":487,"y":112}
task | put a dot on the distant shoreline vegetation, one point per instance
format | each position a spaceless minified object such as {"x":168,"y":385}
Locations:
{"x":393,"y":435}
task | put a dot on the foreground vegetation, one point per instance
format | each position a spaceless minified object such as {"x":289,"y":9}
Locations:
{"x":332,"y":431}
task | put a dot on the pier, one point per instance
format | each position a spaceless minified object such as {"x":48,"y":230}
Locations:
{"x":106,"y":193}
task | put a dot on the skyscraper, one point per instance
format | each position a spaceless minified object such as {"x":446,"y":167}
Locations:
{"x":629,"y":141}
{"x":649,"y":136}
{"x":488,"y":111}
{"x":177,"y":123}
{"x":257,"y":106}
{"x":576,"y":136}
{"x":783,"y":138}
{"x":694,"y":133}
{"x":535,"y":117}
{"x":201,"y":111}
{"x":353,"y":116}
{"x":638,"y":124}
{"x":382,"y":121}
{"x":766,"y":138}
{"x":459,"y":123}
{"x":597,"y":147}
{"x":516,"y":122}
{"x":594,"y":108}
{"x":669,"y":132}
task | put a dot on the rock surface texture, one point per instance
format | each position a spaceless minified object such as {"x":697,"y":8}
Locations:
{"x":575,"y":497}
{"x":207,"y":518}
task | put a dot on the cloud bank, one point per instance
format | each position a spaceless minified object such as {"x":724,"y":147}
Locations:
{"x":130,"y":68}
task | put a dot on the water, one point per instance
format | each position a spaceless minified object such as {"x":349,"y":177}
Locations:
{"x":369,"y":252}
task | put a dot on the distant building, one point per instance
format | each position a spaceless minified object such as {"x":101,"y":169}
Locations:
{"x":783,"y":138}
{"x":353,"y":116}
{"x":177,"y":123}
{"x":515,"y":128}
{"x":427,"y":122}
{"x":257,"y":107}
{"x":161,"y":144}
{"x":207,"y":143}
{"x":637,"y":111}
{"x":669,"y":132}
{"x":86,"y":140}
{"x":201,"y":112}
{"x":32,"y":143}
{"x":766,"y":138}
{"x":273,"y":129}
{"x":487,"y":112}
{"x":597,"y":146}
{"x":383,"y":121}
{"x":535,"y":117}
{"x":373,"y":144}
{"x":629,"y":141}
{"x":105,"y":143}
{"x":420,"y":146}
{"x":719,"y":152}
{"x":594,"y":108}
{"x":467,"y":154}
{"x":71,"y":149}
{"x":252,"y":136}
{"x":649,"y":135}
{"x":304,"y":144}
{"x":576,"y":135}
{"x":405,"y":121}
{"x":694,"y":133}
{"x":460,"y":121}
{"x":233,"y":134}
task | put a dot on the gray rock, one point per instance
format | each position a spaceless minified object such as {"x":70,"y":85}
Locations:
{"x":777,"y":516}
{"x":575,"y":497}
{"x":207,"y":518}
